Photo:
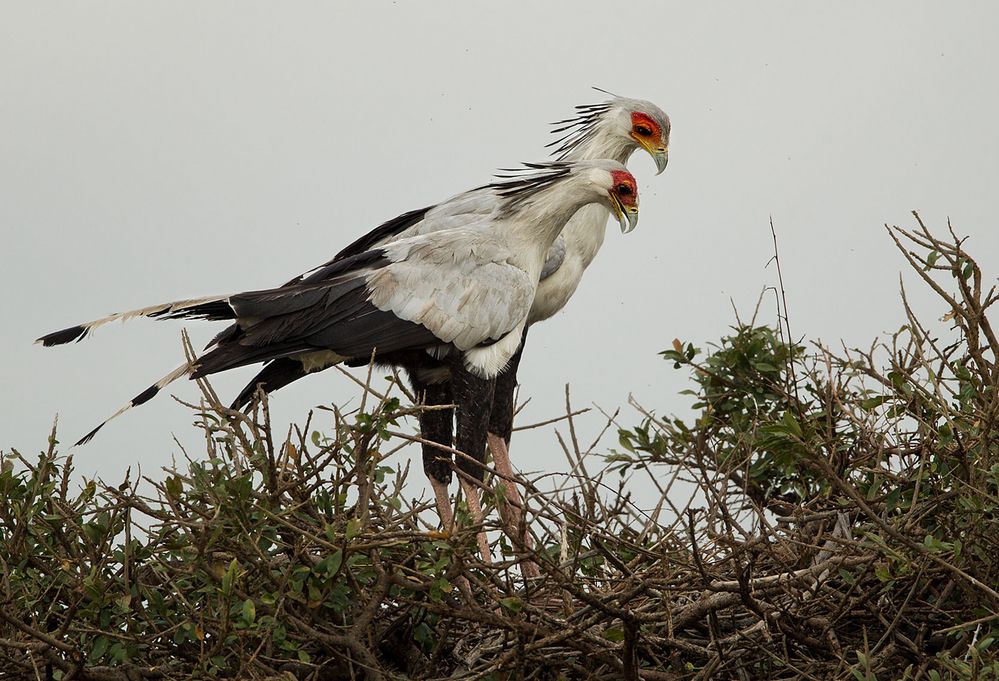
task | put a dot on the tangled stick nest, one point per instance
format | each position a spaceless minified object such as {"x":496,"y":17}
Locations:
{"x":844,"y":524}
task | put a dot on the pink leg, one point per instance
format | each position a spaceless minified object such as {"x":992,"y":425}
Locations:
{"x":443,"y":504}
{"x":475,"y":509}
{"x":501,"y":459}
{"x":447,"y":523}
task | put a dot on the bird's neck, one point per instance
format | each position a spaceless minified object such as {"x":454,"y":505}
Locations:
{"x":543,"y":217}
{"x":584,"y":234}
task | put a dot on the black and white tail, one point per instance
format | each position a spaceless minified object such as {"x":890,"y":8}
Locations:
{"x":149,"y":393}
{"x":211,"y":307}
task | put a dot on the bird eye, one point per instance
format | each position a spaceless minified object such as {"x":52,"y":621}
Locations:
{"x":624,"y":190}
{"x":642,"y":130}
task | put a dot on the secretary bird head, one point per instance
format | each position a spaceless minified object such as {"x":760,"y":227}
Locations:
{"x":614,"y":129}
{"x":604,"y":181}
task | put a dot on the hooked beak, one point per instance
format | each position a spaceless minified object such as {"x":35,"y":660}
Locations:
{"x":627,"y":216}
{"x":659,"y":154}
{"x":661,"y":157}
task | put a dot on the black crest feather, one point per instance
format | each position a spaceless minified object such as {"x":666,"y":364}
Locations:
{"x":575,"y":130}
{"x":515,"y":185}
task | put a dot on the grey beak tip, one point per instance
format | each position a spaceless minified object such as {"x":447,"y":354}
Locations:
{"x":628,"y":224}
{"x":662,"y":160}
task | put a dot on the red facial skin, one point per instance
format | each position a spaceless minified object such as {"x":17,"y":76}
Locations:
{"x":640,"y":119}
{"x":622,"y":178}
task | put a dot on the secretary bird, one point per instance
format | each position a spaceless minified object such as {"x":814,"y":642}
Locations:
{"x":614,"y":129}
{"x":461,"y":296}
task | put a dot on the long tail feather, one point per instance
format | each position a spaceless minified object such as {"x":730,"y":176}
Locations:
{"x":273,"y":376}
{"x":210,"y":307}
{"x":143,"y":397}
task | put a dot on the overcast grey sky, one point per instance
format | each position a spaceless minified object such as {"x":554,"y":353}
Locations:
{"x":155,"y":151}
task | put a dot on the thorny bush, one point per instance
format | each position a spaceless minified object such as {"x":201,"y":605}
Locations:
{"x":845,"y":525}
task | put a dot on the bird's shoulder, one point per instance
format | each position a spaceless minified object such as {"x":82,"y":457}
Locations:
{"x":468,"y":209}
{"x":461,"y":247}
{"x":463,"y":209}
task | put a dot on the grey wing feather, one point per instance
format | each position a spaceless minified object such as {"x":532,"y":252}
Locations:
{"x":464,"y":210}
{"x":556,"y":256}
{"x":466,"y":295}
{"x":468,"y":209}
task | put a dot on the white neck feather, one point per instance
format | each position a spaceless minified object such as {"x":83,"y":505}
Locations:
{"x":585,"y":232}
{"x":542,"y":217}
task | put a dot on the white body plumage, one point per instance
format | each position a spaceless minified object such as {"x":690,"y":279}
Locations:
{"x":485,"y":289}
{"x":603,"y":132}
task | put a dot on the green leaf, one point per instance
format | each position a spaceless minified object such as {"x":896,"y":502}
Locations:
{"x":331,"y":564}
{"x":513,"y":604}
{"x":100,"y":645}
{"x":174,"y":486}
{"x":624,"y":439}
{"x":792,"y":424}
{"x":423,"y":634}
{"x":613,"y":634}
{"x":249,"y":611}
{"x":117,"y":652}
{"x":874,"y":402}
{"x":229,"y":577}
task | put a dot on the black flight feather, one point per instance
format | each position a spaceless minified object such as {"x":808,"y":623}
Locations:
{"x":371,"y":258}
{"x":387,"y":229}
{"x":214,"y":311}
{"x":235,"y":355}
{"x":273,"y":376}
{"x":342,"y":319}
{"x":74,"y":333}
